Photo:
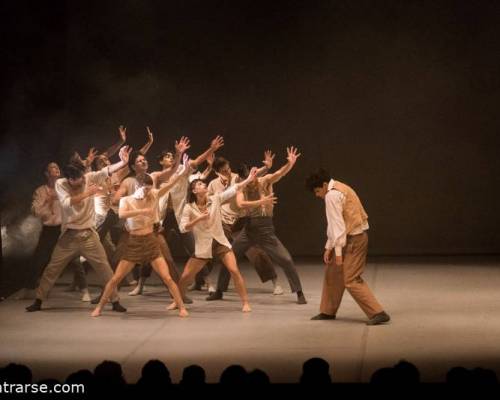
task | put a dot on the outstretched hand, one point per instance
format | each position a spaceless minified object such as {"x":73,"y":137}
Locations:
{"x":182,"y":145}
{"x":124,"y":154}
{"x":123,"y":133}
{"x":91,"y":155}
{"x":217,"y":143}
{"x":150,"y":135}
{"x":268,"y":159}
{"x":292,"y":154}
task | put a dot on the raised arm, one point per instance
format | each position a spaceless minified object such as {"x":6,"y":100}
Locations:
{"x":242,"y":203}
{"x":292,"y":155}
{"x":186,"y":224}
{"x":124,"y":155}
{"x":111,"y":151}
{"x":174,"y":178}
{"x":206,"y":173}
{"x":215,"y":145}
{"x":268,"y":163}
{"x":144,"y":149}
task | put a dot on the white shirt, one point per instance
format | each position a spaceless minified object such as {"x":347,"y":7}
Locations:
{"x":130,"y":203}
{"x":177,"y":195}
{"x":230,"y":210}
{"x":209,"y":229}
{"x":45,"y":207}
{"x":81,"y":215}
{"x":336,"y":231}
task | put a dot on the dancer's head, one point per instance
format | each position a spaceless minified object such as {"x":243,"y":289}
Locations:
{"x":166,"y":159}
{"x":317,"y":182}
{"x":52,"y":171}
{"x":243,"y":172}
{"x":137,"y":163}
{"x":222,"y":167}
{"x":100,"y":161}
{"x":197,"y":188}
{"x":75,"y":174}
{"x":145,"y":183}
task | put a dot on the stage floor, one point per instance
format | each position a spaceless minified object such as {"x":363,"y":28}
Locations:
{"x":445,"y":312}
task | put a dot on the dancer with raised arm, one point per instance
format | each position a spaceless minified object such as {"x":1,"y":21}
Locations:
{"x":79,"y":237}
{"x":202,"y":216}
{"x":140,"y":211}
{"x":259,"y":228}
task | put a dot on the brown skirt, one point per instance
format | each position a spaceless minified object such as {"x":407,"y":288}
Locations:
{"x":142,"y":249}
{"x":218,"y":250}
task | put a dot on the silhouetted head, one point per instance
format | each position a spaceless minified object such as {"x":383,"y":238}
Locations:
{"x":193,"y":375}
{"x":258,"y":377}
{"x":407,"y":372}
{"x":316,"y":371}
{"x":109,"y":373}
{"x":17,"y":373}
{"x":233,"y":375}
{"x":156,"y":372}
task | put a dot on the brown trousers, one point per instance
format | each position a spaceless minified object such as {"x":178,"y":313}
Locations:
{"x":348,"y":276}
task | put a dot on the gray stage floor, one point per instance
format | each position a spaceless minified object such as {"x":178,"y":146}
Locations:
{"x":444,"y":313}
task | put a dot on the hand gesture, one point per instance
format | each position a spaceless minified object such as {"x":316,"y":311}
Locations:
{"x":123,"y":133}
{"x":91,"y":156}
{"x":205,"y":214}
{"x":292,"y":154}
{"x":252,"y":174}
{"x":269,"y":199}
{"x":92,"y":189}
{"x":217,"y":143}
{"x":268,"y":159}
{"x":150,"y":135}
{"x":182,"y":145}
{"x":327,"y":257}
{"x":124,"y":154}
{"x":184,"y":166}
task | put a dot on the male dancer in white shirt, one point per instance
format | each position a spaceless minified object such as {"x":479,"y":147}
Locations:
{"x":79,"y":237}
{"x":345,"y":249}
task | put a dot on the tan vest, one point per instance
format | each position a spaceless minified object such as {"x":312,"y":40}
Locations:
{"x":353,"y":212}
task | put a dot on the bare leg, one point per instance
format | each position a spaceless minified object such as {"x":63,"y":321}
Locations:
{"x":123,"y":268}
{"x":229,"y":260}
{"x":193,"y":266}
{"x":161,"y":268}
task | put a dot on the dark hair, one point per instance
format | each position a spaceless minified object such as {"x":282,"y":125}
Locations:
{"x":163,"y":154}
{"x":145,"y":180}
{"x":190,"y":195}
{"x":74,"y":170}
{"x":96,"y":160}
{"x":131,"y":160}
{"x":219,"y":163}
{"x":243,"y":171}
{"x":316,"y":179}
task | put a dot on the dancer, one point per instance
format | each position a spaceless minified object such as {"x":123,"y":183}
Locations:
{"x":76,"y":195}
{"x":140,"y":211}
{"x":202,"y":215}
{"x":345,"y":249}
{"x":233,"y":220}
{"x":47,"y":208}
{"x":259,"y":227}
{"x":173,"y":201}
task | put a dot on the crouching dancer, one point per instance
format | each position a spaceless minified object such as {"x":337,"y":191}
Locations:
{"x":140,"y":211}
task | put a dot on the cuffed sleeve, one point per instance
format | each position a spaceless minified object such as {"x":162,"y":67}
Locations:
{"x":336,"y":230}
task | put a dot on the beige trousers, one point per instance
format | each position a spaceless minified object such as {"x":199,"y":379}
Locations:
{"x":348,"y":276}
{"x":71,"y":244}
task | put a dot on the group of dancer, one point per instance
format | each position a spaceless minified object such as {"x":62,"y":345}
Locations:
{"x":224,"y":220}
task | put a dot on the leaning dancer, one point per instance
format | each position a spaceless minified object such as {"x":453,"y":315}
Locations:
{"x":79,"y":237}
{"x":345,"y":249}
{"x":259,"y":228}
{"x":202,"y":216}
{"x":140,"y":211}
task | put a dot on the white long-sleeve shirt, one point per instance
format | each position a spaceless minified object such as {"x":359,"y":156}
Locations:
{"x":336,"y":230}
{"x":82,"y":214}
{"x":46,"y":207}
{"x":211,"y":228}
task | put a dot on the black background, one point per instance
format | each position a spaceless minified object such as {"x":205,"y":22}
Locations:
{"x":399,"y":99}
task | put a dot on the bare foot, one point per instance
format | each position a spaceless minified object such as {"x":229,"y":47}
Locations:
{"x":246,"y":308}
{"x":183,"y":313}
{"x":96,"y":312}
{"x":172,"y":306}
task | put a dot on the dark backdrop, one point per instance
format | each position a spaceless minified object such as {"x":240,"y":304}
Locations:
{"x":399,"y":99}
